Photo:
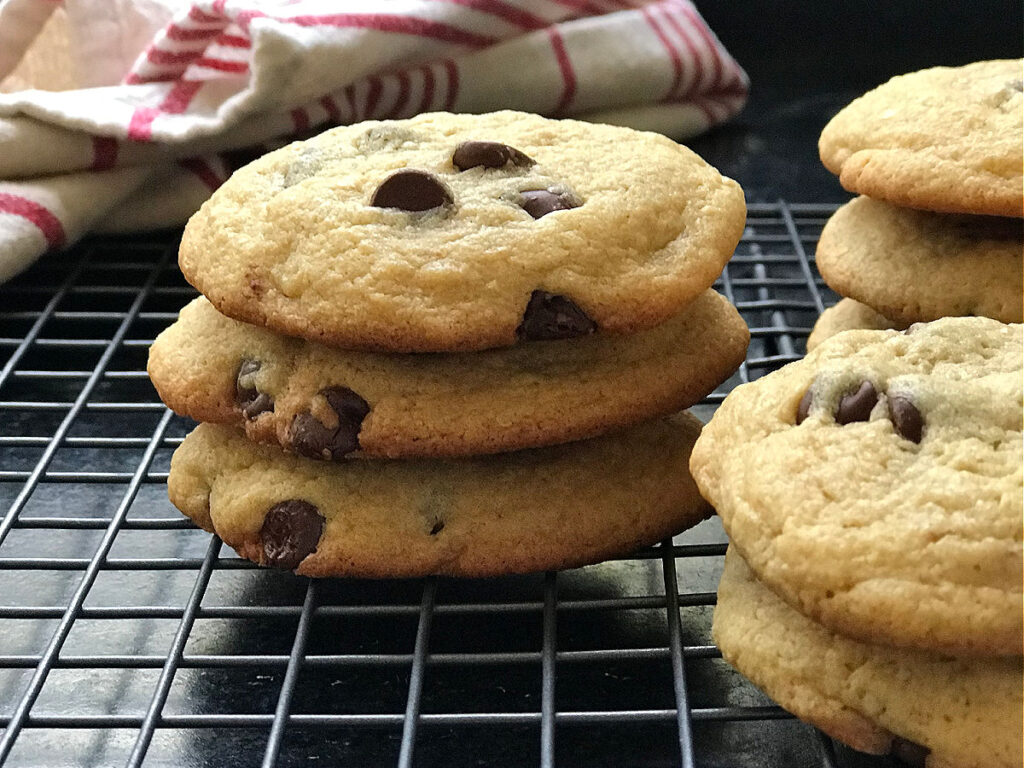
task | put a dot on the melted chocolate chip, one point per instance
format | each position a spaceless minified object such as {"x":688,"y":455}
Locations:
{"x":412,"y":190}
{"x":261,"y":404}
{"x":906,"y":419}
{"x":908,"y":752}
{"x":549,"y":316}
{"x":488,"y":154}
{"x":291,"y":531}
{"x":437,"y":527}
{"x":857,"y":405}
{"x":310,"y":437}
{"x":247,"y":397}
{"x":541,"y":202}
{"x":804,"y":407}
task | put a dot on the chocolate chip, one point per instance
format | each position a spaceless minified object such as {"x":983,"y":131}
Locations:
{"x":310,"y":437}
{"x":804,"y":407}
{"x":488,"y":154}
{"x":437,"y":527}
{"x":412,"y":190}
{"x":291,"y":531}
{"x":857,"y":405}
{"x":541,"y":202}
{"x":247,"y":397}
{"x":908,"y":752}
{"x":261,"y":404}
{"x":906,"y":419}
{"x":550,"y":316}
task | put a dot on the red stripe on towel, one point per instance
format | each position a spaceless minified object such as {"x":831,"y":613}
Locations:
{"x":104,"y":153}
{"x":565,"y":67}
{"x":37,"y":214}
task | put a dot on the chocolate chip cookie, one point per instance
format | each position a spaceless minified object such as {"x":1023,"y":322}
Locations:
{"x":849,"y":315}
{"x":464,"y":232}
{"x":913,"y":266}
{"x":547,"y":508}
{"x":876,"y":485}
{"x":929,"y":709}
{"x":943,"y":139}
{"x":324,"y":402}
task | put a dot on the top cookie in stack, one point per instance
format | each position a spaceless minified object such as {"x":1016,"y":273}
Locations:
{"x":937,"y":157}
{"x":436,"y":234}
{"x":422,"y":293}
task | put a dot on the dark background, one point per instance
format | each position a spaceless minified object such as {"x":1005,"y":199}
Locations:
{"x":806,"y":60}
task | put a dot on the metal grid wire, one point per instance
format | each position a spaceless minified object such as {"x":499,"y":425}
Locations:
{"x":127,"y":637}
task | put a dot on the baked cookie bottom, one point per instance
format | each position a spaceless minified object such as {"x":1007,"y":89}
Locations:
{"x":960,"y":712}
{"x":536,"y":510}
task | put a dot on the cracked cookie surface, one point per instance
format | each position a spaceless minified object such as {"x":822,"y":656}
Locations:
{"x":280,"y":389}
{"x":942,"y":139}
{"x":379,"y":236}
{"x":938,"y":710}
{"x":520,"y":512}
{"x":876,"y":484}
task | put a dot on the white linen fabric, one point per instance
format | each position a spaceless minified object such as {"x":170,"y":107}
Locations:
{"x":220,"y":81}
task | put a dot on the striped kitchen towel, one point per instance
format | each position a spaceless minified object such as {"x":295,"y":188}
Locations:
{"x":222,"y":81}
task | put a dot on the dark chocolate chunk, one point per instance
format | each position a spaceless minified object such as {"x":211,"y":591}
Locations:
{"x":550,"y":316}
{"x":488,"y":154}
{"x":247,"y":397}
{"x":291,"y":531}
{"x":412,"y":190}
{"x":908,"y":752}
{"x":906,"y":419}
{"x":541,"y":202}
{"x":261,"y":404}
{"x":310,"y":437}
{"x":804,"y":407}
{"x":857,"y":405}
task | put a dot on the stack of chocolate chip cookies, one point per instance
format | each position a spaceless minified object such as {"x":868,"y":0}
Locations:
{"x":937,"y":232}
{"x":872,"y":493}
{"x":455,"y":344}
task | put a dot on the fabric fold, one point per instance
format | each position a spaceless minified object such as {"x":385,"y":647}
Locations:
{"x":226,"y":79}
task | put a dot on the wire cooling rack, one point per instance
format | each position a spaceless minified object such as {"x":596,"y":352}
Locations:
{"x":128,"y":637}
